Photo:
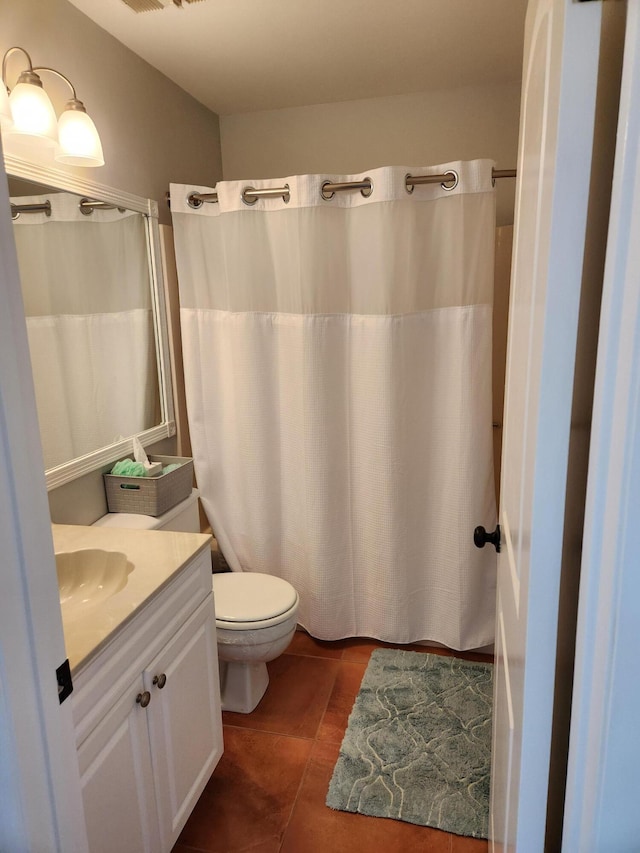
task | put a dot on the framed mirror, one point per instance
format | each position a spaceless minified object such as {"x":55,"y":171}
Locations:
{"x":91,"y":277}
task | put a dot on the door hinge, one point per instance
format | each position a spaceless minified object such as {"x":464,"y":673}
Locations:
{"x":65,"y":684}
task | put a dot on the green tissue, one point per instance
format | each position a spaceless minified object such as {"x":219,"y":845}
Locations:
{"x":129,"y":468}
{"x":169,"y":468}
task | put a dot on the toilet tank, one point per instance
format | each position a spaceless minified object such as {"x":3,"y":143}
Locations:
{"x":182,"y":518}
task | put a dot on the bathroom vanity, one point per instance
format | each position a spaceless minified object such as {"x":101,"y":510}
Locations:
{"x":146,"y":702}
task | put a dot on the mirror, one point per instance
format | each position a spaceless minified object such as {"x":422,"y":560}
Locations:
{"x":89,"y":267}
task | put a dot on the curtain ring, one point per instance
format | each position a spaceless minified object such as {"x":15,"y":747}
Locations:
{"x":194,"y":201}
{"x":243,"y":196}
{"x":364,"y":192}
{"x":326,"y":196}
{"x":454,"y":178}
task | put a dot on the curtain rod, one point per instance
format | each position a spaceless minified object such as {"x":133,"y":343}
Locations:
{"x":88,"y":205}
{"x":85,"y":205}
{"x":250,"y":195}
{"x":42,"y":207}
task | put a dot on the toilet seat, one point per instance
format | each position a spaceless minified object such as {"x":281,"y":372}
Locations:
{"x":246,"y":601}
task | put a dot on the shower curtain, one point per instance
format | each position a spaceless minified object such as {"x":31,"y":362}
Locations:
{"x":87,"y":297}
{"x":338,"y":373}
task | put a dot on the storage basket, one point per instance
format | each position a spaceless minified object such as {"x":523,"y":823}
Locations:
{"x":150,"y":495}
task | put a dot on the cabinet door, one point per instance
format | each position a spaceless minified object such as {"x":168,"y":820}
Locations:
{"x":117,"y":780}
{"x":185,"y":720}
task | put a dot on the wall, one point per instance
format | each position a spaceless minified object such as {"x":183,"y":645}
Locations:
{"x":152,"y":132}
{"x":346,"y":138}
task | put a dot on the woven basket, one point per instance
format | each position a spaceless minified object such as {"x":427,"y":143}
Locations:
{"x":150,"y":495}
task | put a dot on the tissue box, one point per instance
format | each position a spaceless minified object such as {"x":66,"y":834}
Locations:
{"x":150,"y":495}
{"x":154,"y":469}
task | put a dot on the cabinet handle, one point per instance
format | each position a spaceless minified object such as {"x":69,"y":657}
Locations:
{"x":160,"y":680}
{"x":143,"y":699}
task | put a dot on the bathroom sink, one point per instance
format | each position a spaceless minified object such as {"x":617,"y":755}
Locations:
{"x":89,"y":577}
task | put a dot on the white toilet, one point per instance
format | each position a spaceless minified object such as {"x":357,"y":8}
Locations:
{"x":181,"y":518}
{"x":255,"y":622}
{"x":255,"y":613}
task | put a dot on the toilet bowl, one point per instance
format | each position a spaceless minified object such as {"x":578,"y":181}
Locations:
{"x":255,"y":622}
{"x":255,"y":613}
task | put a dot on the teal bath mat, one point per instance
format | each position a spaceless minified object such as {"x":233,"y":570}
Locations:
{"x":418,"y":744}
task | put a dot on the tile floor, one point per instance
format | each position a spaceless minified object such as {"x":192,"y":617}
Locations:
{"x":267,"y":794}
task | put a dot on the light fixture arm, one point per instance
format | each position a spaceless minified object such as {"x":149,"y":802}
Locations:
{"x":74,"y":102}
{"x":30,"y":75}
{"x":4,"y":63}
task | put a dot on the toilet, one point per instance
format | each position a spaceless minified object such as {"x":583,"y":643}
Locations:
{"x":184,"y":517}
{"x":255,"y":622}
{"x":255,"y":613}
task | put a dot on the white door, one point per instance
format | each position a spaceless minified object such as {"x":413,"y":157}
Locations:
{"x":601,"y":807}
{"x":554,"y":159}
{"x":40,"y":802}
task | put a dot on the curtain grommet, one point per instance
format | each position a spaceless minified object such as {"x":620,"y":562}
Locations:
{"x":194,"y":201}
{"x":454,"y":177}
{"x":243,"y":196}
{"x":286,"y":197}
{"x":365,"y":193}
{"x":408,"y":187}
{"x":326,"y":196}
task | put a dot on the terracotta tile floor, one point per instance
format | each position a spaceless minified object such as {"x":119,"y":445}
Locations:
{"x":268,"y":792}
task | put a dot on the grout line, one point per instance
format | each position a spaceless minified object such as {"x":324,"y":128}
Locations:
{"x":306,"y":768}
{"x":266,"y":732}
{"x":303,"y":778}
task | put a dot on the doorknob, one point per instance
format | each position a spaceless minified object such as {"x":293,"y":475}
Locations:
{"x":481,"y":537}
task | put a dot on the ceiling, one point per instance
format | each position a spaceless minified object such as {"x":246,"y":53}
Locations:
{"x":239,"y":56}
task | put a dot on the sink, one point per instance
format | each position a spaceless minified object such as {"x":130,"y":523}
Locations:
{"x":90,"y":576}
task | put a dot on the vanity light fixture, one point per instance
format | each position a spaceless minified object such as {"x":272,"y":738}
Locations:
{"x":27,"y":118}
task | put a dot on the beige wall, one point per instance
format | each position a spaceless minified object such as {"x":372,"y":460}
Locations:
{"x":349,"y":137}
{"x":152,"y":132}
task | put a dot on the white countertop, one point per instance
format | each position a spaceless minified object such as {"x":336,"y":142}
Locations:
{"x":157,"y":556}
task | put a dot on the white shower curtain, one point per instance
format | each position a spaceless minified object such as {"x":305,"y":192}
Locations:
{"x":87,"y":297}
{"x":338,"y":371}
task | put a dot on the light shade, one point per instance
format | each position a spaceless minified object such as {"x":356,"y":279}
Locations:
{"x":6,"y":119}
{"x":79,"y":143}
{"x":33,"y":115}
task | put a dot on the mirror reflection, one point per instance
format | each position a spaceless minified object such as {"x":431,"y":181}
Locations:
{"x":88,"y":296}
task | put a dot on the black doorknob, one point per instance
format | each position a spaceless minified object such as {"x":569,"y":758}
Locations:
{"x":481,"y":537}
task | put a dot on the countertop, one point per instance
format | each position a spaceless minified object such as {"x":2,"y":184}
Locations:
{"x":157,"y":556}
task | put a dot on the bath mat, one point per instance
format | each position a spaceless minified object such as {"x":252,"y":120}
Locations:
{"x":418,"y":743}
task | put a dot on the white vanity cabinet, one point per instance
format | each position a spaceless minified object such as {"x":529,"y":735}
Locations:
{"x":118,"y":780}
{"x":184,"y":719}
{"x":148,"y":719}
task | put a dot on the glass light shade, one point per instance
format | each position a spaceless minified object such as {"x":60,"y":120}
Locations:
{"x":33,"y":115}
{"x":6,"y":119}
{"x":79,"y":143}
